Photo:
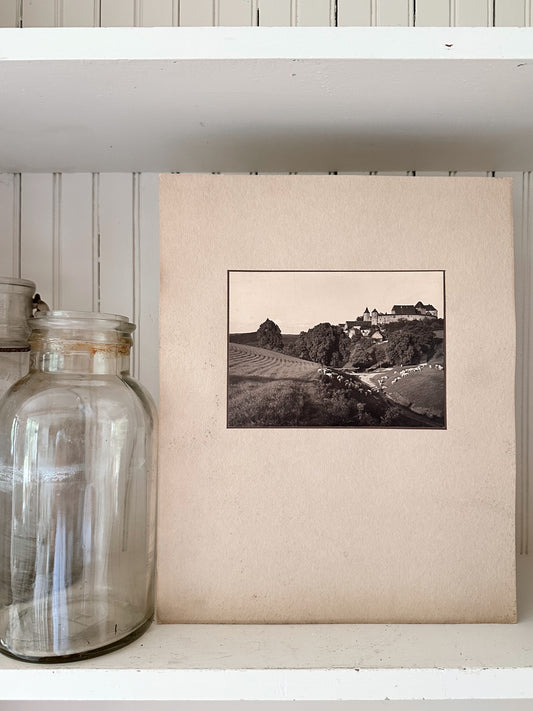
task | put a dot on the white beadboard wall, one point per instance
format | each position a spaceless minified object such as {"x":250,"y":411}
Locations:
{"x":90,"y":241}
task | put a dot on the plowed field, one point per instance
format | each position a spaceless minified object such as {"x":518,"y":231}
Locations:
{"x":253,"y":362}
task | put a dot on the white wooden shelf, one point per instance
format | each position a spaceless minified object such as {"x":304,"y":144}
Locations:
{"x":262,"y":99}
{"x":266,"y":99}
{"x":299,"y":662}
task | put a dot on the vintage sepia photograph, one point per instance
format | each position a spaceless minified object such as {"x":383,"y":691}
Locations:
{"x":336,"y":349}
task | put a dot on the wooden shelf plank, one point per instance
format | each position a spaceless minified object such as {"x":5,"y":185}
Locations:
{"x":300,"y":662}
{"x":266,"y":99}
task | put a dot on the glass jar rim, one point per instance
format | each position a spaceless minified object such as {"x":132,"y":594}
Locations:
{"x":83,"y":319}
{"x":14,"y":281}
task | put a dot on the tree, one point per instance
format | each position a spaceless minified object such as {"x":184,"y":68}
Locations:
{"x":362,"y":355}
{"x":408,"y":344}
{"x":269,"y":336}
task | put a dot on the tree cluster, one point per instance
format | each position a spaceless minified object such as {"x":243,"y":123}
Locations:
{"x":408,"y":344}
{"x":324,"y":344}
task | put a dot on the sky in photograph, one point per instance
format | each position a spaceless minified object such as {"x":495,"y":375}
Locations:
{"x":297,"y":301}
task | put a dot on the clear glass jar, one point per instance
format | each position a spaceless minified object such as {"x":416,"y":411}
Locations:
{"x":77,"y":493}
{"x":15,"y":310}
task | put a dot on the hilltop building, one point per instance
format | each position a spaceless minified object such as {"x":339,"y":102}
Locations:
{"x":400,"y":312}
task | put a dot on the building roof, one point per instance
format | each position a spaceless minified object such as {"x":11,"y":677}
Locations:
{"x":366,"y":311}
{"x":404,"y":310}
{"x":427,"y":307}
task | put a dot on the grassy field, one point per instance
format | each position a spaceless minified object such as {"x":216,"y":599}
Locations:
{"x":270,"y":389}
{"x":266,"y":387}
{"x":423,"y":391}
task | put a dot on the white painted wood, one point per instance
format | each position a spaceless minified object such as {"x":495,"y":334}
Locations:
{"x":432,"y":13}
{"x":116,"y":242}
{"x":472,"y":99}
{"x":41,"y":13}
{"x":300,"y":662}
{"x":75,"y":276}
{"x":37,"y":233}
{"x":313,"y":13}
{"x":509,"y":13}
{"x":196,"y":13}
{"x":158,"y":13}
{"x":274,"y":13}
{"x":81,"y":13}
{"x":237,"y":13}
{"x":147,"y":284}
{"x":9,"y":13}
{"x":119,"y":13}
{"x":395,"y":13}
{"x":9,"y":237}
{"x":526,"y":423}
{"x":251,"y":43}
{"x":354,"y":13}
{"x":474,"y":13}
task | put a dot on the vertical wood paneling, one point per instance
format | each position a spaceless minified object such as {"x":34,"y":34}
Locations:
{"x":354,"y":13}
{"x":118,"y":13}
{"x":81,"y":13}
{"x":76,"y":242}
{"x":474,"y":13}
{"x":432,"y":13}
{"x":37,"y":232}
{"x":116,"y":243}
{"x":236,"y":13}
{"x":8,"y":226}
{"x":527,"y":381}
{"x":157,"y":13}
{"x":524,"y":293}
{"x":510,"y":13}
{"x":313,"y":13}
{"x":41,"y":13}
{"x":395,"y":13}
{"x":196,"y":13}
{"x":274,"y":13}
{"x":9,"y":14}
{"x":147,"y":277}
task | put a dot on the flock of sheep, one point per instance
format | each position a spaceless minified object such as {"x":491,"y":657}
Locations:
{"x":417,"y":369}
{"x":344,"y":380}
{"x":348,"y":382}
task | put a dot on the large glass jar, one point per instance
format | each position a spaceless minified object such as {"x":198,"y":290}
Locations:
{"x":15,"y":310}
{"x":77,"y":493}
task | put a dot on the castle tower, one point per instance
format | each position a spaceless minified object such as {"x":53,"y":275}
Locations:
{"x":366,"y":315}
{"x":374,"y":317}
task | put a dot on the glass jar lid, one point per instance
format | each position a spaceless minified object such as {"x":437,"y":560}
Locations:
{"x":82,"y":325}
{"x":15,"y":309}
{"x":13,"y":281}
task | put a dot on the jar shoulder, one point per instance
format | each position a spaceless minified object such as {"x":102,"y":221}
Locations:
{"x":107,"y":396}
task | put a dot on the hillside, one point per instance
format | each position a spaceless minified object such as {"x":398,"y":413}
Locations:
{"x":271,"y":389}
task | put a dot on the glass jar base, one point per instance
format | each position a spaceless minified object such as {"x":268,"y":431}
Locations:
{"x":80,"y":655}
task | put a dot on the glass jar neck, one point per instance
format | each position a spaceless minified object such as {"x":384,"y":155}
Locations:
{"x":51,"y":355}
{"x":83,"y":343}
